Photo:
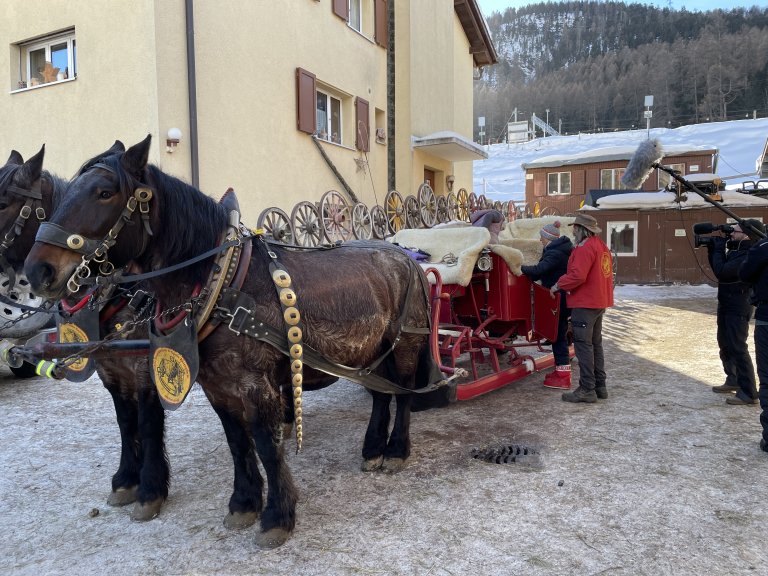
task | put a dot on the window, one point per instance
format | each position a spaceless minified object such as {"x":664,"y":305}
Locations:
{"x":610,"y":179}
{"x":665,"y":180}
{"x":622,"y":238}
{"x":558,"y":183}
{"x":48,"y":60}
{"x":356,"y":15}
{"x":328,"y":117}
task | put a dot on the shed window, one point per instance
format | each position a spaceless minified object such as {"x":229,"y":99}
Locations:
{"x":558,"y":183}
{"x":665,"y":180}
{"x":610,"y":179}
{"x":622,"y":238}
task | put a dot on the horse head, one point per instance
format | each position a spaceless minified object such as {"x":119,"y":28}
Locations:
{"x":101,"y":212}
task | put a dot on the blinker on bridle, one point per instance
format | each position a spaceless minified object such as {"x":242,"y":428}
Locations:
{"x":96,"y":250}
{"x":34,"y":200}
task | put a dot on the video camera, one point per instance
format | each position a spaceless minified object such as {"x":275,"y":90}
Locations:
{"x":701,"y":230}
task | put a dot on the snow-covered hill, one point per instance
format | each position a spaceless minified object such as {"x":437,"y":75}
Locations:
{"x":740,"y":143}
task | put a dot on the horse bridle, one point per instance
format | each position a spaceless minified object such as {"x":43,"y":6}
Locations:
{"x":96,"y":250}
{"x":34,"y":202}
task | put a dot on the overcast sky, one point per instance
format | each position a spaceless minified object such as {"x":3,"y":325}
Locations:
{"x":488,"y":6}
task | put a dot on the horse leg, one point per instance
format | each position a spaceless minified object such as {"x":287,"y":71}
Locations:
{"x":247,"y":499}
{"x":155,"y":470}
{"x":376,"y":435}
{"x":125,"y":481}
{"x":279,"y":516}
{"x":399,"y":446}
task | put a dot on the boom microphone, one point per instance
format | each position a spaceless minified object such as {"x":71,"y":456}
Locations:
{"x":642,"y":163}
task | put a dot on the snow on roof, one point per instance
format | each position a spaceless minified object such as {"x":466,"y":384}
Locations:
{"x":663,"y":199}
{"x":609,"y":154}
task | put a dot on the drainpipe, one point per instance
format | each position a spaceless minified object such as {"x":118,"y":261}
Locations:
{"x":391,"y":175}
{"x":189,"y":10}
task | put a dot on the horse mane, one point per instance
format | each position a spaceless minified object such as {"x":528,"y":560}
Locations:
{"x":59,"y":185}
{"x":190,"y":222}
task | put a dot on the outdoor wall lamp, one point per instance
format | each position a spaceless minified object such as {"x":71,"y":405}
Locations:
{"x":449,"y":180}
{"x":174,"y":136}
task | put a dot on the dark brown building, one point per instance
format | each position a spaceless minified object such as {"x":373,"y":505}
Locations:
{"x":560,"y":184}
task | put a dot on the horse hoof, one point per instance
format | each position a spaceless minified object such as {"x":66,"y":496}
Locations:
{"x":272,"y":538}
{"x":393,"y":465}
{"x":240,"y":520}
{"x":123,"y":496}
{"x":145,"y":512}
{"x":372,"y":465}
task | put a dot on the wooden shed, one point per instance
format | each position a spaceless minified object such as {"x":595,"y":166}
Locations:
{"x":559,"y":184}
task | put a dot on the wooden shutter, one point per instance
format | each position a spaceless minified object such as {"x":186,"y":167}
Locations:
{"x":362,"y":125}
{"x":306,"y":104}
{"x":539,"y":185}
{"x":381,"y":23}
{"x":341,"y":9}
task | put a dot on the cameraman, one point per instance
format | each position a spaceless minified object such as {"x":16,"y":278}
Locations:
{"x":755,"y":271}
{"x":734,"y":311}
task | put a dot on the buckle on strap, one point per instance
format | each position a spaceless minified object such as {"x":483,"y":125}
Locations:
{"x":238,"y":320}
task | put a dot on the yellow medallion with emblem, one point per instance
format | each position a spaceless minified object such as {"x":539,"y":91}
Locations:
{"x":69,"y":333}
{"x":605,"y":264}
{"x":171,"y":375}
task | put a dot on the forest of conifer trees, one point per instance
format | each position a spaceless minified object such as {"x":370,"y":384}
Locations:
{"x":591,"y":65}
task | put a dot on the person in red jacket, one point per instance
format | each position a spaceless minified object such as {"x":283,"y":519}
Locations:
{"x":588,"y":284}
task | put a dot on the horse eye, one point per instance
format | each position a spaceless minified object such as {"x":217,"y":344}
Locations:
{"x":106,"y":194}
{"x":3,"y":206}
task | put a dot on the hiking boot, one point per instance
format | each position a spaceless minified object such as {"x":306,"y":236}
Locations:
{"x":738,"y":401}
{"x":580,"y":395}
{"x":601,"y":392}
{"x":724,"y":389}
{"x":559,"y":378}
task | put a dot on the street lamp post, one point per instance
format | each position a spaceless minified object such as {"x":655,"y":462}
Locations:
{"x":545,"y":131}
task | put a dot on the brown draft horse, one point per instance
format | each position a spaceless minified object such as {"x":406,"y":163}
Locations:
{"x":143,"y":472}
{"x":353,"y":302}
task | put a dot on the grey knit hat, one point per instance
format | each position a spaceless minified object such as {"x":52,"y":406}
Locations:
{"x":551,"y":231}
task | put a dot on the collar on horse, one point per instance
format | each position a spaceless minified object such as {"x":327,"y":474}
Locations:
{"x":34,"y":202}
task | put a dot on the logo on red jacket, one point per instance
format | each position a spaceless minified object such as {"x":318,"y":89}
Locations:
{"x":605,"y":264}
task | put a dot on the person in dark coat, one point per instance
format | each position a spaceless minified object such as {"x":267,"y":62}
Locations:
{"x":754,"y":270}
{"x":553,"y":264}
{"x":734,"y":311}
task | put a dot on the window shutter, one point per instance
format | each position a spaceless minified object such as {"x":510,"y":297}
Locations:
{"x":363,"y":129}
{"x":540,"y":186}
{"x":381,"y":34}
{"x":341,"y":9}
{"x":306,"y":106}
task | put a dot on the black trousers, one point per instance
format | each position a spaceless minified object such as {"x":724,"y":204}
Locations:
{"x":761,"y":354}
{"x":732,"y":335}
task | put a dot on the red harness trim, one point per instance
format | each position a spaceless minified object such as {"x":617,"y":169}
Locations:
{"x":164,"y":326}
{"x":76,"y":307}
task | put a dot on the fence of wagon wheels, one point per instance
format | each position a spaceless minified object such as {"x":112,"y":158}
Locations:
{"x":334,"y":219}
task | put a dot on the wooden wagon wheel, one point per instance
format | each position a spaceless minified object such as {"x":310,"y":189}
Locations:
{"x":550,"y":211}
{"x":277,"y":224}
{"x":306,"y":224}
{"x":335,"y":217}
{"x":379,"y":222}
{"x":462,"y":205}
{"x":482,"y":202}
{"x":362,"y":226}
{"x":442,"y":210}
{"x":472,"y":202}
{"x":453,"y":206}
{"x":412,"y":212}
{"x":427,"y":205}
{"x":510,"y":211}
{"x":498,"y":206}
{"x":394,"y":207}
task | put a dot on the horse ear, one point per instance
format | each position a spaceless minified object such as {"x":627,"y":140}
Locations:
{"x":15,"y":158}
{"x":33,"y":168}
{"x":136,"y":157}
{"x":116,"y":147}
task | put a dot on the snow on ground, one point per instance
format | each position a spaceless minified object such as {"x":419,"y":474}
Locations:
{"x":740,"y":143}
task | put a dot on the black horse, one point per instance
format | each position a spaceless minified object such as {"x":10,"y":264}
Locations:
{"x":143,"y":475}
{"x":362,"y":304}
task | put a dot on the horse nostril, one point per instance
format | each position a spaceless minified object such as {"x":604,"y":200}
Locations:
{"x":40,"y":276}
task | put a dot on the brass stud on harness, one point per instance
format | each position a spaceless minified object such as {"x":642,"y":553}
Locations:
{"x":294,"y":334}
{"x":287,"y":297}
{"x":296,"y":351}
{"x":281,"y":278}
{"x":75,"y":242}
{"x":291,"y":316}
{"x":142,"y":194}
{"x":296,"y":365}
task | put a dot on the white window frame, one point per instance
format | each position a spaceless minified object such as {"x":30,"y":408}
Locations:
{"x":559,"y":191}
{"x":616,"y":225}
{"x":615,"y":175}
{"x":359,"y":24}
{"x":666,"y":177}
{"x":328,"y":134}
{"x":45,"y":43}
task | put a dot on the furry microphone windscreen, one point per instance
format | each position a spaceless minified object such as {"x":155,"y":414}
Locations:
{"x":641,"y":164}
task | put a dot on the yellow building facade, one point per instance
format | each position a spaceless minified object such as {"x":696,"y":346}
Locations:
{"x":282,"y":100}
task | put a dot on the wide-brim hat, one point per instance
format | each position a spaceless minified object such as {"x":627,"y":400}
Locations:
{"x":587,"y":222}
